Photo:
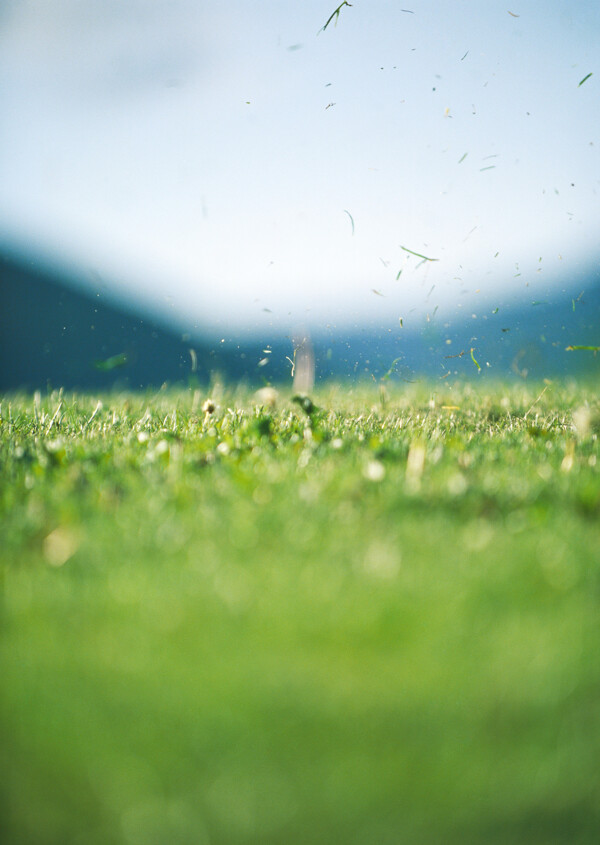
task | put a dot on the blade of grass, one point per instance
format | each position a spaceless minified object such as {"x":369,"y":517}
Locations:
{"x":112,"y":363}
{"x":474,"y":360}
{"x":589,"y":348}
{"x":351,"y":219}
{"x":418,"y":254}
{"x":335,"y":14}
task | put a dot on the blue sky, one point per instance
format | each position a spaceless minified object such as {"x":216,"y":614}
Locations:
{"x":216,"y":160}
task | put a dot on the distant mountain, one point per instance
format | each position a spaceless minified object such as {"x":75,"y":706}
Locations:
{"x":55,"y":334}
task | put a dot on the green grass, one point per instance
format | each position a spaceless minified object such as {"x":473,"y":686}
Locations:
{"x":375,"y":624}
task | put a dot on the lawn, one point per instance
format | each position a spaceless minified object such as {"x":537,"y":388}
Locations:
{"x":371,"y":620}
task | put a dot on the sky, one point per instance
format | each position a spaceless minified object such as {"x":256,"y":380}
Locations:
{"x":235,"y":166}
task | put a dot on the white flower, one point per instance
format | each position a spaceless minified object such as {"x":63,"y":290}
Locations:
{"x":374,"y":471}
{"x":267,"y":396}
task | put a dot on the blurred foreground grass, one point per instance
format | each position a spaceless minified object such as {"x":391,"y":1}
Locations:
{"x":373,"y":623}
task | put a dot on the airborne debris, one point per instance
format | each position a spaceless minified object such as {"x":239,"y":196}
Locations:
{"x":418,"y":254}
{"x":593,"y":349}
{"x":112,"y":363}
{"x":474,"y":359}
{"x":585,"y":78}
{"x":351,"y":219}
{"x":335,"y":14}
{"x":392,"y":369}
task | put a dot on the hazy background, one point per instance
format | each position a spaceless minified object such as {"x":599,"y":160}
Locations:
{"x":213,"y":160}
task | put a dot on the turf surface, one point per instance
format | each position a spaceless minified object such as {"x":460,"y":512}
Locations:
{"x":374,"y":619}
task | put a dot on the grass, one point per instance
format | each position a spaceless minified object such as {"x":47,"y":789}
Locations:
{"x":371,"y":620}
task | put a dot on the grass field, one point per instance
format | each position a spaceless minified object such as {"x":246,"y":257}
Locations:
{"x":374,"y":621}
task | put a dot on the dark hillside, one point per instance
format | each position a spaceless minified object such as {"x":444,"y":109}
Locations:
{"x":55,"y":334}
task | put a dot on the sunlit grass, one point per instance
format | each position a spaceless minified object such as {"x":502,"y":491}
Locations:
{"x":368,"y":617}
